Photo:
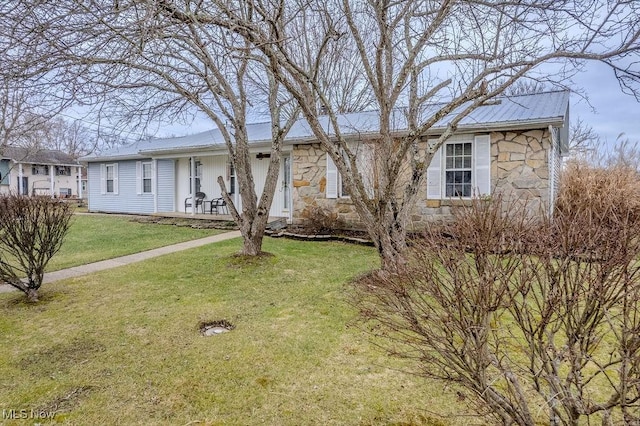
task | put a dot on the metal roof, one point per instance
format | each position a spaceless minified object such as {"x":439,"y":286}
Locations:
{"x":516,"y":112}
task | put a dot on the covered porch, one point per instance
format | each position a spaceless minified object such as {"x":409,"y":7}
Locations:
{"x":197,"y":173}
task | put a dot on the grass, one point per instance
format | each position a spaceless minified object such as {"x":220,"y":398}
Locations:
{"x":123,"y":346}
{"x":100,"y":237}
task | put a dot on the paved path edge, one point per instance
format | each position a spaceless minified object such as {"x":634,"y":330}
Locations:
{"x":102,"y":265}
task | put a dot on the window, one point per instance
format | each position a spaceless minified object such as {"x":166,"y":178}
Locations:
{"x":146,"y":178}
{"x":110,"y":168}
{"x":39,"y":170}
{"x":343,"y":192}
{"x":232,"y":179}
{"x":63,"y":171}
{"x":109,"y":179}
{"x":335,"y":185}
{"x":458,"y":170}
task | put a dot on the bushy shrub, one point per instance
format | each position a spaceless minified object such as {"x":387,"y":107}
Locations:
{"x":320,"y":220}
{"x":536,"y":316}
{"x":32,"y":230}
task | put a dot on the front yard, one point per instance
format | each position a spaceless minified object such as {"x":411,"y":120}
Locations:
{"x":123,"y":346}
{"x":92,"y":238}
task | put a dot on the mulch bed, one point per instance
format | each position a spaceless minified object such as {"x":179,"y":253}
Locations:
{"x":306,"y":234}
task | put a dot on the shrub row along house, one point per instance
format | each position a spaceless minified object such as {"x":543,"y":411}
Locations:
{"x":513,"y":144}
{"x":31,"y":171}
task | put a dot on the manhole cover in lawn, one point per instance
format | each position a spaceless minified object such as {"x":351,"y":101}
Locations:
{"x":213,"y":328}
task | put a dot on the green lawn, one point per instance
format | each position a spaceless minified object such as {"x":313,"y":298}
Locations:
{"x":100,"y":237}
{"x":123,"y":346}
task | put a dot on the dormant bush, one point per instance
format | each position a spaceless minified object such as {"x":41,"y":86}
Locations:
{"x":536,"y":316}
{"x":32,"y":230}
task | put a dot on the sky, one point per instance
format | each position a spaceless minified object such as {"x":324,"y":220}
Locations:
{"x":608,"y":110}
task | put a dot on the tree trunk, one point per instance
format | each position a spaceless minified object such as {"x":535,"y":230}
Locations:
{"x":252,"y":234}
{"x":32,"y":294}
{"x":252,"y":244}
{"x":389,"y":236}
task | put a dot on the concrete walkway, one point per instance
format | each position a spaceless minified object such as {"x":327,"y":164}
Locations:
{"x":90,"y":268}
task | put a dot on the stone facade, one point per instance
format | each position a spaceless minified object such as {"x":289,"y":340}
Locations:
{"x":519,"y":167}
{"x":309,"y":186}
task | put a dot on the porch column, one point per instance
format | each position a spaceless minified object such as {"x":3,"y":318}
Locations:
{"x":154,"y":182}
{"x":193,"y":185}
{"x":51,"y":185}
{"x":20,"y":183}
{"x":80,"y":182}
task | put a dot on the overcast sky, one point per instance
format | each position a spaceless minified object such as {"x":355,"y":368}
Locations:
{"x":611,"y":112}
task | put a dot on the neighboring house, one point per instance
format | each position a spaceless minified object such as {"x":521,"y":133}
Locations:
{"x":515,"y":144}
{"x":31,"y":171}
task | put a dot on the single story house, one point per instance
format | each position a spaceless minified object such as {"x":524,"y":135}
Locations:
{"x":514,"y":144}
{"x":34,"y":171}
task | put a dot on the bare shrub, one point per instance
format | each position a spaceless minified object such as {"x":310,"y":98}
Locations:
{"x":32,"y":230}
{"x":320,"y":220}
{"x":538,"y":318}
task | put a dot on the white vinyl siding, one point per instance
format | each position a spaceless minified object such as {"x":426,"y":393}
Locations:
{"x":482,"y":165}
{"x":166,"y":185}
{"x":126,"y":199}
{"x":461,"y":167}
{"x":555,"y":165}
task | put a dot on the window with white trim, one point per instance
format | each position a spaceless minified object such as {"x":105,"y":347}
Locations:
{"x":335,"y":187}
{"x":365,"y":163}
{"x":38,"y":169}
{"x":146,"y":178}
{"x":63,"y":170}
{"x":110,"y":178}
{"x":458,"y":169}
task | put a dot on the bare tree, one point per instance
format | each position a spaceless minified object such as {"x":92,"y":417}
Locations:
{"x":426,"y":63}
{"x":19,"y":118}
{"x":146,"y":61}
{"x":32,"y":230}
{"x":69,"y":136}
{"x":583,"y":140}
{"x":537,"y":320}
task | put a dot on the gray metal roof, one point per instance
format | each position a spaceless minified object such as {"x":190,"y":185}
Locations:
{"x":20,"y":154}
{"x":516,"y":112}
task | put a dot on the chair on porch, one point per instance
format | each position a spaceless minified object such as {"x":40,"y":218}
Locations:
{"x":200,"y":196}
{"x":219,"y":205}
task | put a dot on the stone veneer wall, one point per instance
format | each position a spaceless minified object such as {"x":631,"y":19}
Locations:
{"x":519,"y":167}
{"x":309,"y":184}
